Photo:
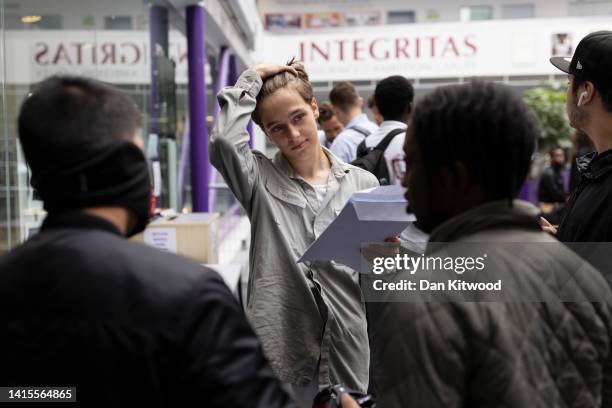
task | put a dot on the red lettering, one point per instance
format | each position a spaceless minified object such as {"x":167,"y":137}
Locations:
{"x":109,"y":52}
{"x":341,"y":49}
{"x":136,"y":53}
{"x":470,"y":45}
{"x":432,"y":42}
{"x":61,"y":53}
{"x":315,"y":47}
{"x":79,"y":52}
{"x":373,"y":54}
{"x":450,"y":45}
{"x":418,"y":47}
{"x":302,"y":56}
{"x":357,"y":50}
{"x":400,"y":47}
{"x":43,"y":50}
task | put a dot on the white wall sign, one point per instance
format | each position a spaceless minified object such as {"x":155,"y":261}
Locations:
{"x":491,"y":48}
{"x":120,"y":57}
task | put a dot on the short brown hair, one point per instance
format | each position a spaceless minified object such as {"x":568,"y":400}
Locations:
{"x":325,"y":112}
{"x":282,"y":80}
{"x":344,"y":96}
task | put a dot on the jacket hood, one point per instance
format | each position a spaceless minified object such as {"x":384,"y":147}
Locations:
{"x":594,"y":165}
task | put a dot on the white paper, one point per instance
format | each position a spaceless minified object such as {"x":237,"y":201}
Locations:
{"x":369,"y":216}
{"x":161,"y":238}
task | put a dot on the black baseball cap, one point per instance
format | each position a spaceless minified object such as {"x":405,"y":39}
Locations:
{"x":592,"y":60}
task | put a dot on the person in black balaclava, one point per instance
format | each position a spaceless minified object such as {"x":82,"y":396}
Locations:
{"x":81,"y":306}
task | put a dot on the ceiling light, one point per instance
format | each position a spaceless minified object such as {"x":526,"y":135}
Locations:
{"x":31,"y":19}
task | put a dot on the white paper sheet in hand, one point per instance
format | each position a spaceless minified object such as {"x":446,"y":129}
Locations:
{"x":369,"y":216}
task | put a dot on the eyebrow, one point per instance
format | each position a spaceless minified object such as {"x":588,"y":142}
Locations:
{"x":298,"y":110}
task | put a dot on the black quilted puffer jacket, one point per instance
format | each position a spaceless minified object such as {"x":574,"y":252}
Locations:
{"x":512,"y":354}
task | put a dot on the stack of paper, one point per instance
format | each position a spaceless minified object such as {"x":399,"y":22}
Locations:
{"x":369,"y":216}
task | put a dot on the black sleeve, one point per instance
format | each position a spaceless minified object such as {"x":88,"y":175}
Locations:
{"x":225,"y":362}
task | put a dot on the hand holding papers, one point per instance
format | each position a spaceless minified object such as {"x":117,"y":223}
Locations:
{"x":369,"y":216}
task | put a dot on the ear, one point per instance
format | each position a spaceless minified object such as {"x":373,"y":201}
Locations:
{"x":589,"y":89}
{"x":360,"y":102}
{"x":314,"y":107}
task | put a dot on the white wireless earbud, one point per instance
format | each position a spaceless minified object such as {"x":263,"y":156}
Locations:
{"x":582,"y":95}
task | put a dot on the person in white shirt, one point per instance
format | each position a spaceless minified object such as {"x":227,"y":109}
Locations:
{"x":393,"y":99}
{"x":348,"y":106}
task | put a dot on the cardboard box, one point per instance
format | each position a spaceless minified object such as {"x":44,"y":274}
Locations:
{"x":193,"y":235}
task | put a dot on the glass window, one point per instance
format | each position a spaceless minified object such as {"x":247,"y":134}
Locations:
{"x":82,"y":43}
{"x":401,"y":17}
{"x":475,"y":13}
{"x":518,"y":11}
{"x":118,"y":23}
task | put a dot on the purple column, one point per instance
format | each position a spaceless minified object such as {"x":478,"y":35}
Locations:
{"x":196,"y":57}
{"x":232,"y":76}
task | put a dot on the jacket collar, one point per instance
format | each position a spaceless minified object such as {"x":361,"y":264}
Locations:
{"x":593,"y":165}
{"x":338,"y":168}
{"x":492,"y":215}
{"x":77,"y":220}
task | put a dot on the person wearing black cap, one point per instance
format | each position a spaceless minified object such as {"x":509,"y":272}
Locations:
{"x":588,"y":216}
{"x":81,"y":306}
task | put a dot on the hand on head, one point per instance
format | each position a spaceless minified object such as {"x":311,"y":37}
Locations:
{"x":266,"y":70}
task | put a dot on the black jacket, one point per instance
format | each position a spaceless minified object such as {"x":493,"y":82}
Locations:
{"x":125,"y":324}
{"x":588,"y":214}
{"x":551,"y":188}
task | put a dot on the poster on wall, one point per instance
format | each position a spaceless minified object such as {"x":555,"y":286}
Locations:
{"x":365,"y":18}
{"x":323,"y":20}
{"x":562,"y":44}
{"x":276,"y":22}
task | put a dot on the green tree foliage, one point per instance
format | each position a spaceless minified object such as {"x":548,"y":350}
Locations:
{"x":548,"y":104}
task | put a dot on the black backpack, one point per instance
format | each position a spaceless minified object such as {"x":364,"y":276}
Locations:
{"x":373,"y":160}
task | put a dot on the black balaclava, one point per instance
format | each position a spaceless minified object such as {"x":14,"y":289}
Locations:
{"x":112,"y":174}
